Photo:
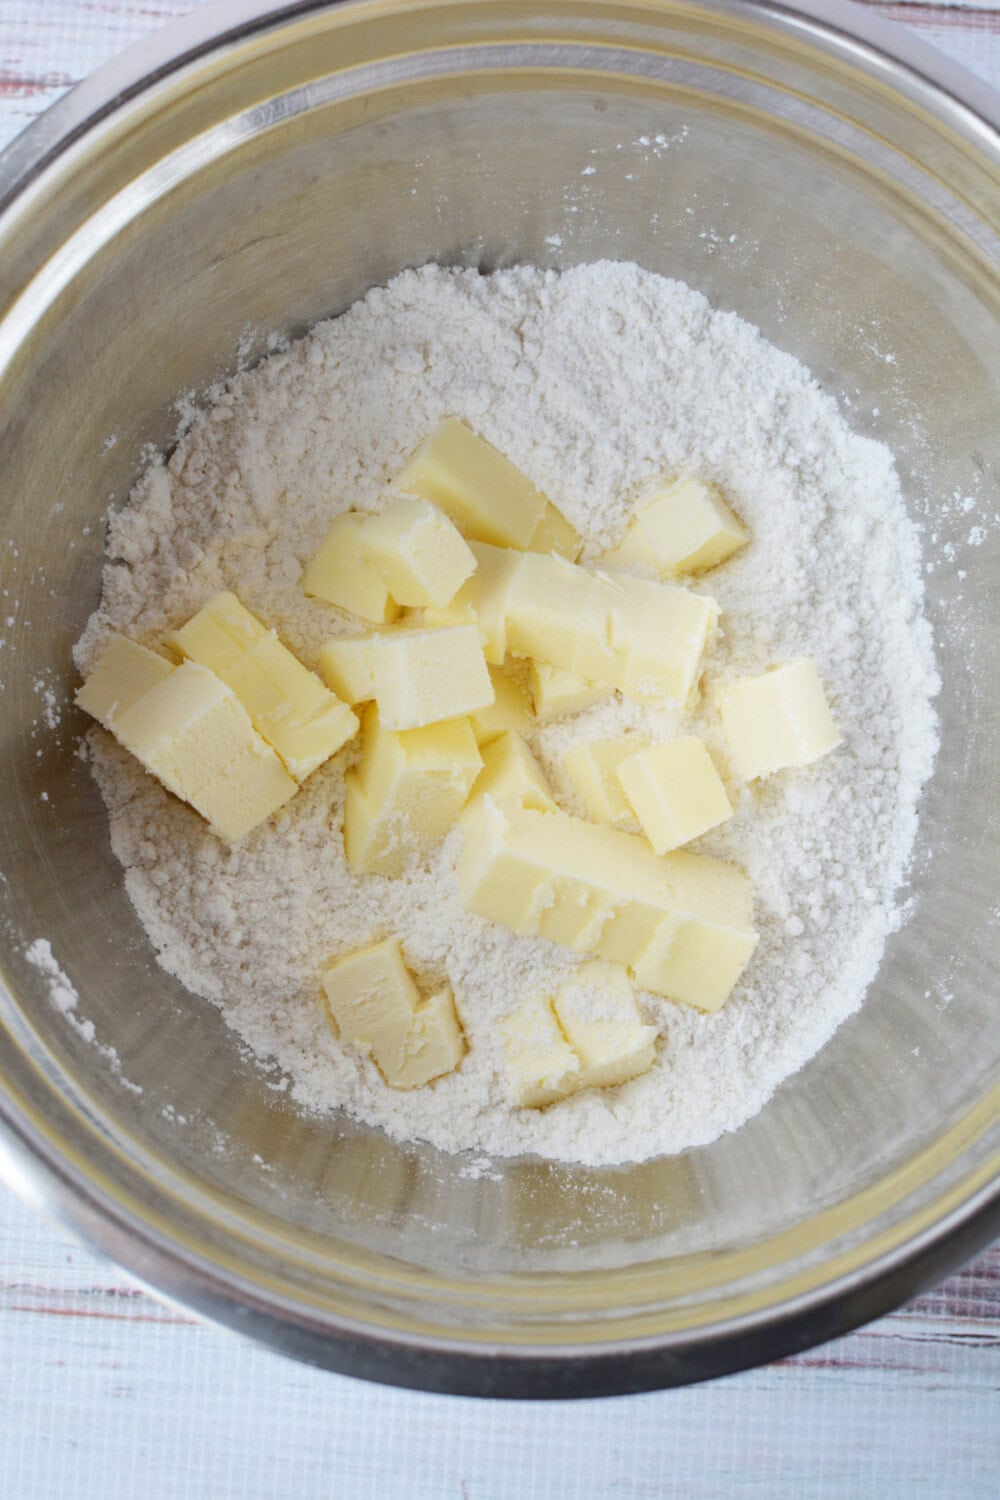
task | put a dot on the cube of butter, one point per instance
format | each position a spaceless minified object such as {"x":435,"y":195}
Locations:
{"x":554,"y":534}
{"x":347,"y":669}
{"x":509,"y":710}
{"x":192,"y":732}
{"x":417,"y":551}
{"x":675,"y":792}
{"x":556,"y":693}
{"x":407,"y":791}
{"x":375,"y":1004}
{"x":591,"y":769}
{"x":664,"y":633}
{"x":299,"y":717}
{"x":512,"y":774}
{"x":698,"y":954}
{"x":483,"y":493}
{"x":541,"y":1066}
{"x":123,"y":674}
{"x":341,"y":574}
{"x":420,"y":676}
{"x":482,"y":599}
{"x":600,"y":1018}
{"x":688,"y":527}
{"x":434,"y":1044}
{"x":778,"y":719}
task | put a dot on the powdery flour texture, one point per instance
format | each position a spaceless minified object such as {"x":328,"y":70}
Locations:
{"x":593,"y":382}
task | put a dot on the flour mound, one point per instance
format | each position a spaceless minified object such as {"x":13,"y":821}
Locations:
{"x":593,"y":382}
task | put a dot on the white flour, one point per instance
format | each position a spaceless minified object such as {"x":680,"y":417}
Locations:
{"x":592,"y":382}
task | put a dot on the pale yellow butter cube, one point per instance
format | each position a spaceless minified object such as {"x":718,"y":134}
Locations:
{"x":541,"y":1066}
{"x":779,"y":719}
{"x":420,"y":676}
{"x":512,"y":774}
{"x":124,"y":672}
{"x":577,"y":914}
{"x":192,"y":732}
{"x":556,"y":693}
{"x":407,"y":792}
{"x":341,"y":574}
{"x":483,"y":493}
{"x":554,"y":534}
{"x":700,"y":951}
{"x":418,"y":552}
{"x":347,"y":669}
{"x":675,"y":792}
{"x":434,"y":1044}
{"x":600,"y":1018}
{"x":483,"y":599}
{"x":299,"y":717}
{"x":552,"y":606}
{"x":665,"y":633}
{"x":689,"y":527}
{"x":508,"y":711}
{"x":591,"y":769}
{"x":372,"y":999}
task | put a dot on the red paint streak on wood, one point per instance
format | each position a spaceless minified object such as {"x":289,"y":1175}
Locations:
{"x":30,"y":85}
{"x":953,"y":18}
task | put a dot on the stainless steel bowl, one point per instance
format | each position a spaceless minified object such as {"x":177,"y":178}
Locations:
{"x":818,"y":172}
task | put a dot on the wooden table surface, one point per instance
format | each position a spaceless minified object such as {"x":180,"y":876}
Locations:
{"x":106,"y":1394}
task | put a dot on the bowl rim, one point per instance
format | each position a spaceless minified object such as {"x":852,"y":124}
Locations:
{"x":35,"y":1169}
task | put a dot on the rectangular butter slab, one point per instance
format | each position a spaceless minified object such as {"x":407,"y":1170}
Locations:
{"x":556,"y":693}
{"x":420,"y":676}
{"x":287,"y":704}
{"x":554,"y":534}
{"x":347,"y":670}
{"x":488,"y":499}
{"x":372,"y":999}
{"x":508,"y":711}
{"x":482,"y":600}
{"x":434,"y":1044}
{"x":591,"y":768}
{"x":512,"y":774}
{"x":688,"y":527}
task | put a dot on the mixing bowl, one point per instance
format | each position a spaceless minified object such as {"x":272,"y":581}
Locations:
{"x":255,"y":169}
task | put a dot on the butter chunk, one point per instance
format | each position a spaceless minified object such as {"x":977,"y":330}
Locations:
{"x":483,"y":493}
{"x":698,"y":954}
{"x":372,"y":998}
{"x":512,"y":774}
{"x":124,"y":672}
{"x":675,"y":792}
{"x":341,"y":574}
{"x":433,"y":1046}
{"x":299,"y":717}
{"x":347,"y":669}
{"x":681,"y":921}
{"x":541,"y":1066}
{"x":407,"y":791}
{"x":554,"y":534}
{"x":688,"y":527}
{"x":600,"y":1018}
{"x":508,"y":711}
{"x":418,"y":552}
{"x":420,"y":676}
{"x":483,"y":599}
{"x":591,"y":769}
{"x":638,"y":635}
{"x":556,"y":693}
{"x":778,"y":719}
{"x":192,"y":732}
